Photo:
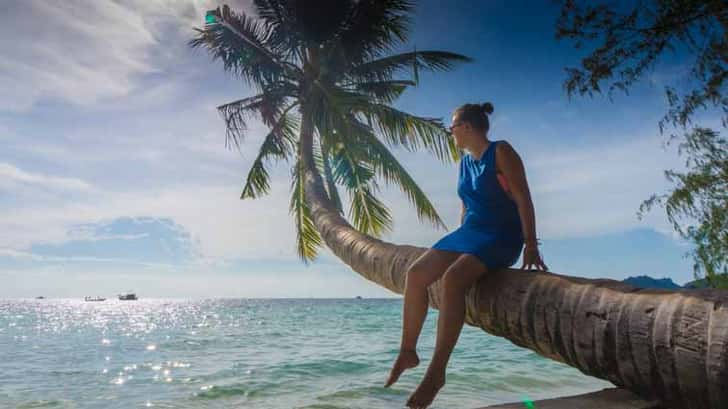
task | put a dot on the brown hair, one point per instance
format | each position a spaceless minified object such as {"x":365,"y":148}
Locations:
{"x":476,"y":115}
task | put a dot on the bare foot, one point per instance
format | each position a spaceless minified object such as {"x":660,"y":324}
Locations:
{"x":407,"y":359}
{"x":425,"y":393}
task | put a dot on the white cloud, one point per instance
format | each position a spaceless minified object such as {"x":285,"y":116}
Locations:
{"x":7,"y":252}
{"x":80,"y":52}
{"x":112,"y":261}
{"x":598,"y":189}
{"x":10,"y":175}
{"x":224,"y":225}
{"x":85,"y":52}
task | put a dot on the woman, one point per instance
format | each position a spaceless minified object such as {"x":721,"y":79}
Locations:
{"x":497,"y":219}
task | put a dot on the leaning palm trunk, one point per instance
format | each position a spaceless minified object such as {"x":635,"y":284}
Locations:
{"x":669,"y":346}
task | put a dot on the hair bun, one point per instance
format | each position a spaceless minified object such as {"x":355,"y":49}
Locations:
{"x":487,"y":108}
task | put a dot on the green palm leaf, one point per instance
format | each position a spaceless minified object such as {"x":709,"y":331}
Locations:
{"x":267,"y":106}
{"x":242,"y":47}
{"x":283,"y":38}
{"x":383,"y":69}
{"x":331,"y":189}
{"x":397,"y":127}
{"x":409,"y":131}
{"x":365,"y":152}
{"x":279,"y":143}
{"x":374,"y":26}
{"x":369,"y":215}
{"x":383,"y":91}
{"x":387,"y":166}
{"x":308,"y":239}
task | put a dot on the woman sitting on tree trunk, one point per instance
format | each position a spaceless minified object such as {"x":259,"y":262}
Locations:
{"x":497,"y":218}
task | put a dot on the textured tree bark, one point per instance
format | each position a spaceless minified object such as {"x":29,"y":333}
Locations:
{"x":670,"y":346}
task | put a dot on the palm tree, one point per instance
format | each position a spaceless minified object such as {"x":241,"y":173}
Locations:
{"x":326,"y":82}
{"x":325,"y":75}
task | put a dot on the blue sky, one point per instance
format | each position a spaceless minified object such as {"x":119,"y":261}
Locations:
{"x":114,"y":174}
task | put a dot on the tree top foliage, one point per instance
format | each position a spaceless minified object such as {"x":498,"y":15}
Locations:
{"x":629,"y":42}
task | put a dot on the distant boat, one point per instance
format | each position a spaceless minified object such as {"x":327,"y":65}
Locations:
{"x":40,"y":297}
{"x":358,"y":297}
{"x":128,"y":296}
{"x":94,"y":298}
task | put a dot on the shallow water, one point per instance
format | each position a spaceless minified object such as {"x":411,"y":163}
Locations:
{"x":276,"y":353}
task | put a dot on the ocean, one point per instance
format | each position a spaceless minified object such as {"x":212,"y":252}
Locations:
{"x":249,"y":353}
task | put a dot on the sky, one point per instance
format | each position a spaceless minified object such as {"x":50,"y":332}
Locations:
{"x":114,"y":174}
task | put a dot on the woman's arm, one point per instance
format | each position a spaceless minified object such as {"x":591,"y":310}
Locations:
{"x":462,"y":212}
{"x":510,"y":164}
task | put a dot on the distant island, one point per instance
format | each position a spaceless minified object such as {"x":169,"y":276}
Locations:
{"x":645,"y":281}
{"x":702,"y":283}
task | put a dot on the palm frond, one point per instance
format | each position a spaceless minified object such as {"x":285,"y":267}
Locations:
{"x":308,"y":239}
{"x":277,"y":18}
{"x":363,"y":147}
{"x":368,"y":214}
{"x":409,"y":131}
{"x":349,"y":172}
{"x":385,"y":92}
{"x":328,"y":100}
{"x":267,"y":106}
{"x":284,"y":38}
{"x":331,"y":188}
{"x":397,"y":127}
{"x":373,"y":27}
{"x":240,"y":42}
{"x":387,"y":166}
{"x":279,"y":143}
{"x":383,"y":69}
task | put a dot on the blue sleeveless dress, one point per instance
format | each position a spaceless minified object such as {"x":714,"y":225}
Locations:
{"x":491,"y":229}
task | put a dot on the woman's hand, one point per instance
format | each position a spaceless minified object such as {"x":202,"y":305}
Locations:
{"x":531,"y":257}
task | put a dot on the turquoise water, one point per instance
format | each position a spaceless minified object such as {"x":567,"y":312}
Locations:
{"x":220,"y":353}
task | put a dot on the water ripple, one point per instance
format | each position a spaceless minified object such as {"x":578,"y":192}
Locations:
{"x":310,"y":354}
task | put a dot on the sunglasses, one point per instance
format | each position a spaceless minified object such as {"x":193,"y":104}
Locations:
{"x":453,"y":126}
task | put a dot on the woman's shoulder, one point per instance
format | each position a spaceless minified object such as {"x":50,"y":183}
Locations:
{"x":502,"y":143}
{"x":502,"y":147}
{"x":505,"y":153}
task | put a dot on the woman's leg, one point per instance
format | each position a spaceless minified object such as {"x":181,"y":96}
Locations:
{"x":460,"y":276}
{"x":423,"y":272}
